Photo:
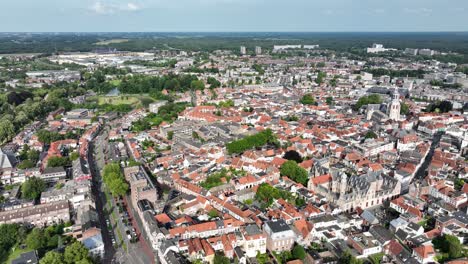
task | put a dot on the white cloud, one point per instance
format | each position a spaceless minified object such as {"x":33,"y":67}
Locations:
{"x":131,"y":7}
{"x":100,"y":8}
{"x":418,"y":11}
{"x":106,"y":7}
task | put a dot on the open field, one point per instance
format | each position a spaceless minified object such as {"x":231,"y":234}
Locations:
{"x":134,"y":100}
{"x":111,"y":41}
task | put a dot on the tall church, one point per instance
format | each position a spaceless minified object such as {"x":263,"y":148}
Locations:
{"x":394,"y":107}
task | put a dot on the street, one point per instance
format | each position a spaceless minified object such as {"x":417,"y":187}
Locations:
{"x":122,"y":251}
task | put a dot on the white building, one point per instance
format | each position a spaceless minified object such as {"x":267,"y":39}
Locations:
{"x":243,"y":50}
{"x":395,"y":107}
{"x":154,"y":107}
{"x":258,"y":50}
{"x":376,"y":48}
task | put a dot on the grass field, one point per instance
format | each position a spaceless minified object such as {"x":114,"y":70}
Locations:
{"x":115,"y":82}
{"x":16,"y":253}
{"x":134,"y":100}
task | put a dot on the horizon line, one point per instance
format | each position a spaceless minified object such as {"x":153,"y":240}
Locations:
{"x":191,"y":32}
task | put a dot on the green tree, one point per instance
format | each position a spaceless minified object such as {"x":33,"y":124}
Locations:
{"x":213,"y":213}
{"x":365,"y":100}
{"x":10,"y":235}
{"x":213,"y":82}
{"x":32,"y":188}
{"x":56,"y":161}
{"x":348,"y":258}
{"x":449,"y":244}
{"x":7,"y":130}
{"x":75,"y":253}
{"x":294,"y":172}
{"x":197,"y":85}
{"x":298,"y":252}
{"x":370,"y":134}
{"x":221,"y":259}
{"x":115,"y":180}
{"x":36,"y":239}
{"x":26,"y":164}
{"x":74,"y":156}
{"x":329,"y":100}
{"x":307,"y":99}
{"x":321,"y":77}
{"x":404,"y":110}
{"x":52,"y":257}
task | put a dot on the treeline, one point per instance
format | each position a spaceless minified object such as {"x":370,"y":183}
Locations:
{"x":16,"y":111}
{"x":377,"y":72}
{"x":255,"y":141}
{"x":201,"y":70}
{"x":148,"y":63}
{"x":150,"y":84}
{"x":365,"y":100}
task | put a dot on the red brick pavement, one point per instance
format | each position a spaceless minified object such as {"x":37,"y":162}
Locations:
{"x":146,"y":248}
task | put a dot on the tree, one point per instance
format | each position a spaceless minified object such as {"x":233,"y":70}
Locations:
{"x":255,"y":141}
{"x":307,"y":99}
{"x":213,"y":82}
{"x":221,"y":259}
{"x":170,"y":134}
{"x":52,"y":257}
{"x":365,"y":100}
{"x":329,"y":100}
{"x":294,"y":172}
{"x":404,"y":110}
{"x":321,"y":77}
{"x":26,"y":164}
{"x":10,"y":235}
{"x":74,"y":156}
{"x":75,"y":253}
{"x":115,"y":180}
{"x":7,"y":130}
{"x":348,"y":258}
{"x":370,"y":134}
{"x":57,"y":161}
{"x":449,"y":244}
{"x":32,"y":188}
{"x":293,"y":155}
{"x":36,"y":239}
{"x":197,"y":85}
{"x":213,"y":213}
{"x":298,"y":252}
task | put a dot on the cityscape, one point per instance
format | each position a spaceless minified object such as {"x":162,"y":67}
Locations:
{"x":235,"y":147}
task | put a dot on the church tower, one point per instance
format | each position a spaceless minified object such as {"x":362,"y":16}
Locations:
{"x":343,"y":183}
{"x":394,"y":109}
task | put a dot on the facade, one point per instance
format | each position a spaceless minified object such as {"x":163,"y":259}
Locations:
{"x":243,"y":50}
{"x":363,"y":191}
{"x":254,"y":241}
{"x":258,"y":50}
{"x":39,"y":215}
{"x":279,"y":236}
{"x":395,"y":107}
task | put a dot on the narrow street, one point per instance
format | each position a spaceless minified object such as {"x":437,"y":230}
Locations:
{"x":421,"y":173}
{"x":109,"y":249}
{"x":123,"y":251}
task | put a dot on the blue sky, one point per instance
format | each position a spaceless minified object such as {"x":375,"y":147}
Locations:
{"x":233,"y":15}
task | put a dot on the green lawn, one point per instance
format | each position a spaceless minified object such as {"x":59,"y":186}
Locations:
{"x":16,"y":253}
{"x":141,"y":100}
{"x":115,"y":82}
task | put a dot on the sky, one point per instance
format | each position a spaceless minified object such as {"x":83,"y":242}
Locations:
{"x":232,"y":15}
